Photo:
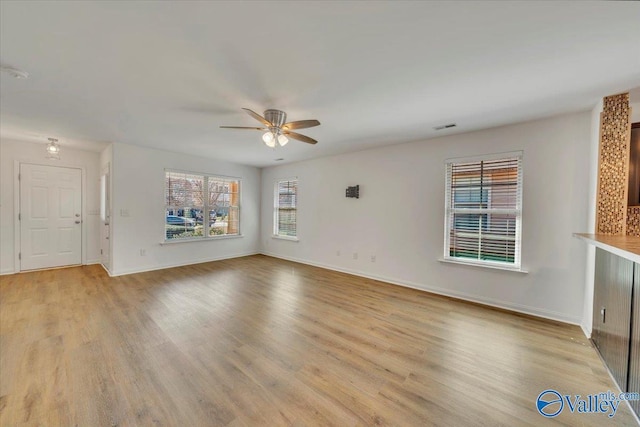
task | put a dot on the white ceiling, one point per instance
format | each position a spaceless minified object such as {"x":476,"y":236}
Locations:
{"x":168,"y":74}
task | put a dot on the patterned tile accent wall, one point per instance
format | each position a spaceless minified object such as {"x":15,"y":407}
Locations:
{"x":633,"y":221}
{"x":613,"y":169}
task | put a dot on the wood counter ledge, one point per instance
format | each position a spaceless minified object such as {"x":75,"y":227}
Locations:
{"x":624,"y":246}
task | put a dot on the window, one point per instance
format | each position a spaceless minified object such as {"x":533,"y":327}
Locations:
{"x":285,"y":209}
{"x":483,"y":219}
{"x":195,"y":203}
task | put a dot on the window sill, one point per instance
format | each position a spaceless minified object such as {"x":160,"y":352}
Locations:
{"x":482,"y":265}
{"x":289,"y":238}
{"x":199,"y":239}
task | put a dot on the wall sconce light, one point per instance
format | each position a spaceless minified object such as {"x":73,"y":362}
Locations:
{"x":53,"y":149}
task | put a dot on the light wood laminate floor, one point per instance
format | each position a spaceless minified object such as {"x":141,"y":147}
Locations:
{"x":259,"y":341}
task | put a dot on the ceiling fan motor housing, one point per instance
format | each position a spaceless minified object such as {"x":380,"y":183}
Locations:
{"x":276,"y":117}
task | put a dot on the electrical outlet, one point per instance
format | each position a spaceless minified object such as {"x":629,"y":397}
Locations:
{"x":355,"y":255}
{"x":373,"y":258}
{"x":143,"y":252}
{"x":124,"y":212}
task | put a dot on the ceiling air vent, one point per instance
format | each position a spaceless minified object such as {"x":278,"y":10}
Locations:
{"x":450,"y":125}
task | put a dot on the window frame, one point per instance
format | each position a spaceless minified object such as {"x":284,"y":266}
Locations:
{"x":206,"y":208}
{"x":276,"y":206}
{"x":449,"y":211}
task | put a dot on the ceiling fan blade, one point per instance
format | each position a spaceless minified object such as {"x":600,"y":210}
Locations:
{"x":242,"y":127}
{"x":258,"y":117}
{"x":300,"y":124}
{"x":300,"y":137}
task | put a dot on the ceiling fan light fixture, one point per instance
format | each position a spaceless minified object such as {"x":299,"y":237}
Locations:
{"x":269,"y":139}
{"x":282,"y":140}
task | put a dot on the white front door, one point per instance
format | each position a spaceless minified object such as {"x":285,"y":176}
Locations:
{"x":50,"y":216}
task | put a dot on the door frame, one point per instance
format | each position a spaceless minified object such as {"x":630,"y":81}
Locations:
{"x":106,"y":169}
{"x":16,"y":208}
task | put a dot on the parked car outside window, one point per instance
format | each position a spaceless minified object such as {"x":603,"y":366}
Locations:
{"x":179,"y":220}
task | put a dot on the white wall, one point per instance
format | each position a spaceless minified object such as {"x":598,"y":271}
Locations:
{"x":138,"y":187}
{"x":587,"y":317}
{"x":27,"y":152}
{"x":635,"y":112}
{"x":400,"y":215}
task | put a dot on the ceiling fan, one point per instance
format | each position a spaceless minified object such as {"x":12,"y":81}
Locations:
{"x":276,"y":128}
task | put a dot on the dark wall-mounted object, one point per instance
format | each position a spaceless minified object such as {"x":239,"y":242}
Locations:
{"x":353,"y":192}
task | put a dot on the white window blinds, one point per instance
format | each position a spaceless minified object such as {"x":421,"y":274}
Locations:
{"x":484,"y":210}
{"x":285,"y":215}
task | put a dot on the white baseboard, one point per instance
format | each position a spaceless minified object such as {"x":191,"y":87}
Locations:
{"x":5,"y":272}
{"x":182,"y":264}
{"x":519,"y":308}
{"x":586,"y":329}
